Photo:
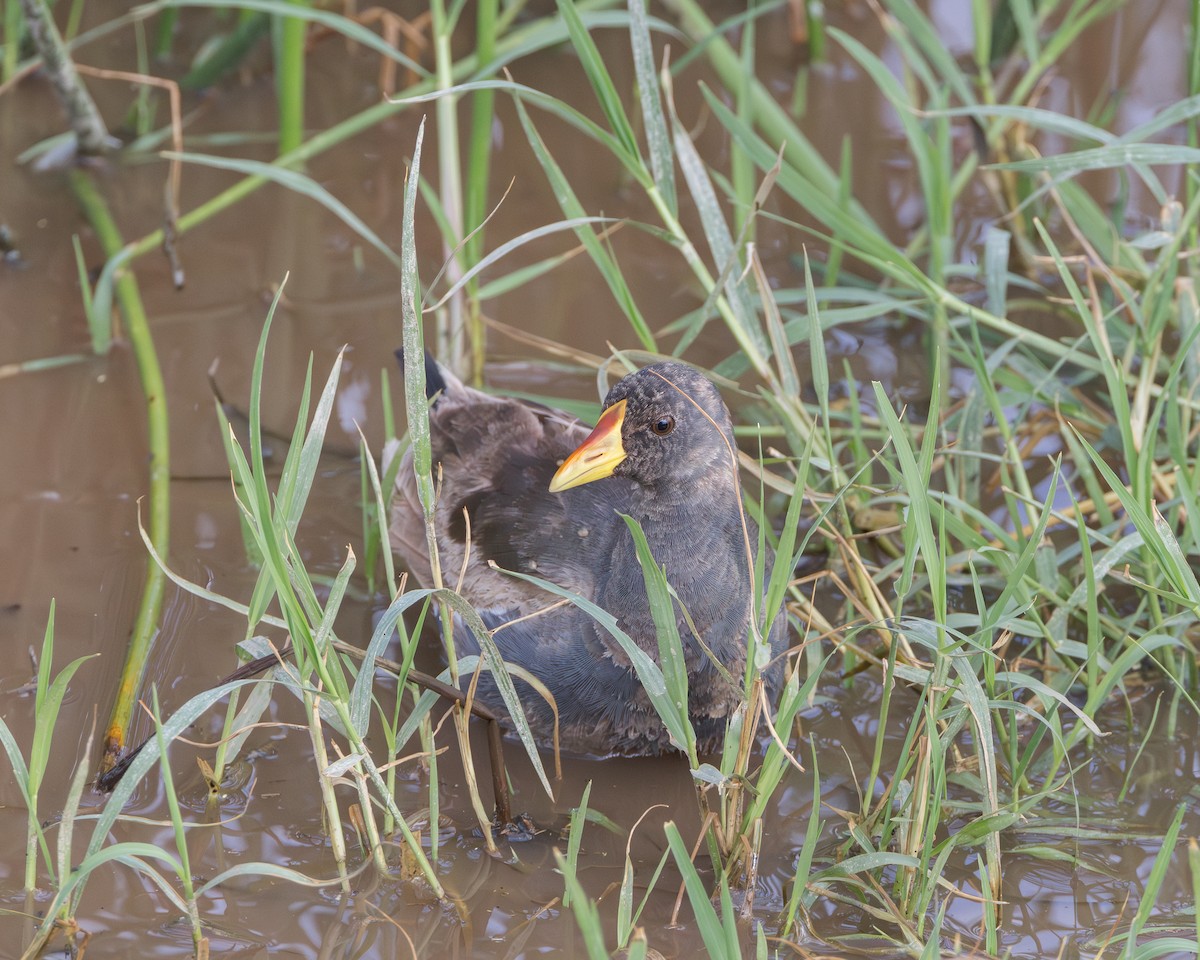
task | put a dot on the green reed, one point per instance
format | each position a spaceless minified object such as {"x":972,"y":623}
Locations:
{"x":14,"y":33}
{"x":121,"y":284}
{"x":290,"y":36}
{"x":477,"y":193}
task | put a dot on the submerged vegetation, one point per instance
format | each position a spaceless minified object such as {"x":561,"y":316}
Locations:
{"x":1001,"y":558}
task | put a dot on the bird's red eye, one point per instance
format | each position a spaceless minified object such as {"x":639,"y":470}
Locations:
{"x":664,"y":425}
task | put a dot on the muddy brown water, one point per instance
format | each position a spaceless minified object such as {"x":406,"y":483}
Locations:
{"x":73,"y":451}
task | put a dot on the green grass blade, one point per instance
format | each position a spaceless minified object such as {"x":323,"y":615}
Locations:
{"x":1154,"y":882}
{"x":1105,"y":158}
{"x":917,"y":26}
{"x":570,"y":865}
{"x":47,"y":720}
{"x":712,"y":931}
{"x":509,"y":246}
{"x":347,"y":26}
{"x":573,"y":209}
{"x":381,"y":638}
{"x":504,"y":685}
{"x":587,"y":916}
{"x":298,"y":183}
{"x":259,"y":870}
{"x":670,"y":645}
{"x":658,"y":139}
{"x":1156,"y":534}
{"x":919,"y":520}
{"x":599,"y":77}
{"x":745,"y":327}
{"x":300,"y":467}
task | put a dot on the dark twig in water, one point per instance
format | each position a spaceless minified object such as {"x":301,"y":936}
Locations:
{"x":91,"y":135}
{"x":240,"y":420}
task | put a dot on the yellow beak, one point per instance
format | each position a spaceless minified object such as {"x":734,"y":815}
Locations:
{"x":597,"y":456}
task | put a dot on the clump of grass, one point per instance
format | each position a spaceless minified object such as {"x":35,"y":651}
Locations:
{"x":48,"y":693}
{"x":969,"y":698}
{"x":53,"y":865}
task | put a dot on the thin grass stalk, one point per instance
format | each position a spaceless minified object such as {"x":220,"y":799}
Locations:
{"x":888,"y":683}
{"x":227,"y":731}
{"x":814,"y":17}
{"x":74,"y":16}
{"x":587,"y":916}
{"x":1154,"y":882}
{"x":432,"y":787}
{"x":658,"y":138}
{"x":13,"y":31}
{"x":177,"y":826}
{"x":1193,"y":859}
{"x":373,"y":504}
{"x":941,"y":241}
{"x":418,"y":426}
{"x":600,"y":253}
{"x":837,"y":249}
{"x":797,"y":897}
{"x":333,"y":824}
{"x":252,"y":26}
{"x":164,"y":34}
{"x":290,"y":35}
{"x":70,"y":811}
{"x":1193,"y":130}
{"x":43,"y":363}
{"x":450,"y":338}
{"x":1079,"y":18}
{"x":48,"y":698}
{"x":34,"y":833}
{"x":923,"y":807}
{"x":717,"y":930}
{"x":570,"y":864}
{"x":740,"y":322}
{"x":137,"y":326}
{"x":370,"y":825}
{"x":1094,"y":636}
{"x":741,"y":167}
{"x":391,"y":724}
{"x":372,"y":528}
{"x":479,"y":153}
{"x":776,"y":125}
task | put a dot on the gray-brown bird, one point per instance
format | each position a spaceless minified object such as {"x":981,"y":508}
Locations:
{"x":543,"y":495}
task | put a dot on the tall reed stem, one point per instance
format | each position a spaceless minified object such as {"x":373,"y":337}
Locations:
{"x":145,"y":626}
{"x":289,"y":78}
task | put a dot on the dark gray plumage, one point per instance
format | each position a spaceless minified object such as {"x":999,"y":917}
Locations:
{"x":677,"y":478}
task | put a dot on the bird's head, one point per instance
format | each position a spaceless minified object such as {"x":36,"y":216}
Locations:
{"x":663,"y":424}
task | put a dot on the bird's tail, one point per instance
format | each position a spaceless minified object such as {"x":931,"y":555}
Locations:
{"x":438,"y":379}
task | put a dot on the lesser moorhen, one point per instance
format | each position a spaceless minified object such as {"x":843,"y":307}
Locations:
{"x":543,"y":496}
